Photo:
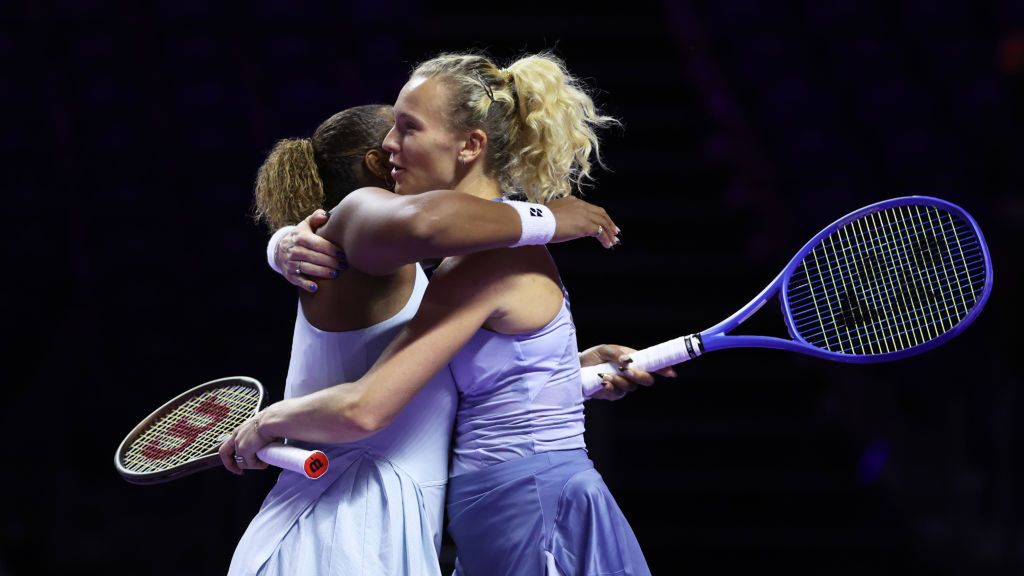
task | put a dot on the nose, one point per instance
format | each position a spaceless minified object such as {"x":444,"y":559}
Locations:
{"x":391,"y":142}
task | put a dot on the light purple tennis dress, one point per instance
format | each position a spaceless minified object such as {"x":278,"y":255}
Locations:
{"x":378,"y":509}
{"x":524,"y":498}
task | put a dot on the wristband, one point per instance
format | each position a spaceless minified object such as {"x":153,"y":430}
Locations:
{"x":272,"y":246}
{"x":537,"y":221}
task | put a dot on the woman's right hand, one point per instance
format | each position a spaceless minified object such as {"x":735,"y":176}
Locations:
{"x":302,"y":255}
{"x":575,"y":218}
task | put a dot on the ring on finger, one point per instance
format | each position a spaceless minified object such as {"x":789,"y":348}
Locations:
{"x":298,"y":269}
{"x":239,"y":458}
{"x":600,"y":230}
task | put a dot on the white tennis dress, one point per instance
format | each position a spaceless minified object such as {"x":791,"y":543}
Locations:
{"x":378,"y":510}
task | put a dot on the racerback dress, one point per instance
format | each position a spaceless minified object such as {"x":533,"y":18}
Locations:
{"x":378,"y":509}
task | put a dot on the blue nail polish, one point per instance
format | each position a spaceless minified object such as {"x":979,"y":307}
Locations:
{"x":334,"y":274}
{"x":341,"y":255}
{"x":312,"y":287}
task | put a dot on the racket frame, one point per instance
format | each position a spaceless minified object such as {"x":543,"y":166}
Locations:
{"x":191,"y":466}
{"x":716,"y":338}
{"x":688,"y":347}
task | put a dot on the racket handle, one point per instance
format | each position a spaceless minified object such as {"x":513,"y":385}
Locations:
{"x":310,"y":463}
{"x":650,"y":359}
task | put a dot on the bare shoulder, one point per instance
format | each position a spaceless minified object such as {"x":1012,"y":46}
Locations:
{"x":355,"y":204}
{"x":360,"y":197}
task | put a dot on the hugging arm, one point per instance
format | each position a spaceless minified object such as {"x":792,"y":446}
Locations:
{"x":458,"y":302}
{"x":380,"y":231}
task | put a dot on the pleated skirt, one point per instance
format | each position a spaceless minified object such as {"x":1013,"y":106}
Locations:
{"x":540,"y":515}
{"x":365,"y":516}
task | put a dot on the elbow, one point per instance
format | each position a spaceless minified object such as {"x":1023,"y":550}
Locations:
{"x":370,"y":424}
{"x":361,"y":421}
{"x":425,"y":225}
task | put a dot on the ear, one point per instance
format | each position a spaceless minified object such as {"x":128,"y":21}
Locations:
{"x":376,"y":161}
{"x":473,"y":146}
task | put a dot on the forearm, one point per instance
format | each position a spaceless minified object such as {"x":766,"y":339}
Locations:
{"x":455,"y":224}
{"x":383,"y":234}
{"x":331,"y":416}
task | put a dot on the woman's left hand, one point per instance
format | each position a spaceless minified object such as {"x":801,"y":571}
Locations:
{"x":616,"y":386}
{"x":238,"y":452}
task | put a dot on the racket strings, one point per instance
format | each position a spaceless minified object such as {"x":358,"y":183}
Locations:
{"x":872,"y":276}
{"x":192,"y":429}
{"x":892,"y":295}
{"x":929,"y":282}
{"x":890,"y":280}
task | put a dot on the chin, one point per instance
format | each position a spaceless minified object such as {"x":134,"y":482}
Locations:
{"x":408,"y":190}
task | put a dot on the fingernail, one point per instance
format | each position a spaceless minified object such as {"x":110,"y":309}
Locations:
{"x":312,"y":287}
{"x":625,"y":359}
{"x":603,"y":375}
{"x":334,"y":274}
{"x":341,"y":255}
{"x":327,"y":213}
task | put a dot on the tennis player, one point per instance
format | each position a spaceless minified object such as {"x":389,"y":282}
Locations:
{"x":524,"y":498}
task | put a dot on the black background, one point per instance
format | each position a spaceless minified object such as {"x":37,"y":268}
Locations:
{"x":131,"y":137}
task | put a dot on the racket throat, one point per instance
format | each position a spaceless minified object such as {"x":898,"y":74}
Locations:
{"x":694,"y":345}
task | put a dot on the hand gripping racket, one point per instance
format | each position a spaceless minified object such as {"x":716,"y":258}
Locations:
{"x":182,"y":436}
{"x":885,"y":282}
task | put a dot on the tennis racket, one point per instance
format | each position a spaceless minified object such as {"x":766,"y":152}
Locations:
{"x":182,"y":436}
{"x":885,"y":282}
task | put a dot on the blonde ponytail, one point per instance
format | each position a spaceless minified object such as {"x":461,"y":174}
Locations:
{"x":558,"y":130}
{"x":540,"y":122}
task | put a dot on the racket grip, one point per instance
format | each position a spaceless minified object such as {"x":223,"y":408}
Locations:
{"x":650,"y":359}
{"x":310,"y":463}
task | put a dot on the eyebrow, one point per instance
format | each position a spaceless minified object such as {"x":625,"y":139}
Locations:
{"x":405,"y":115}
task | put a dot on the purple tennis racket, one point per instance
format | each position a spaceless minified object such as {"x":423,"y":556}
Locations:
{"x":885,"y":282}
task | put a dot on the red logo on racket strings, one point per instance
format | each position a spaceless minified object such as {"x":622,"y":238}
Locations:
{"x":187,"y":431}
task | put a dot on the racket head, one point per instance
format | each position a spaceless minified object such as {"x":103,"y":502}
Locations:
{"x":182,"y":436}
{"x":887,"y":281}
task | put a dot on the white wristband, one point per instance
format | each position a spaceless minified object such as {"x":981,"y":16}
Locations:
{"x":272,"y":246}
{"x":537,"y":220}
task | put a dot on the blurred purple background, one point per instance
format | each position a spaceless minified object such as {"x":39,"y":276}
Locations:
{"x":131,"y":138}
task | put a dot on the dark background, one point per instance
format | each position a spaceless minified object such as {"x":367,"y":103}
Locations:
{"x":130,"y":139}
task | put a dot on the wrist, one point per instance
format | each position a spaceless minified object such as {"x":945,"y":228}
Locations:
{"x":272,"y":247}
{"x":537,"y":220}
{"x":267,"y":422}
